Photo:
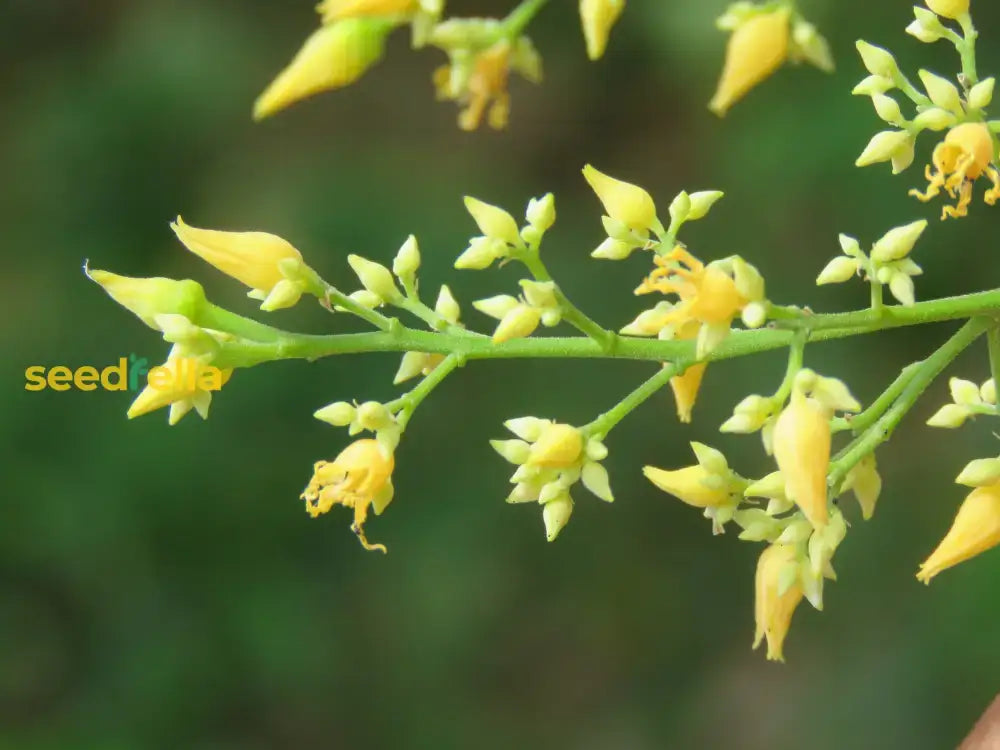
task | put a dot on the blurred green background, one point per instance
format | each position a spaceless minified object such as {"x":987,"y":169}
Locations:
{"x":163,"y":588}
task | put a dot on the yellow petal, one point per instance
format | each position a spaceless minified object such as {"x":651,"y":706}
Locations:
{"x":687,"y":485}
{"x":802,"y":451}
{"x":756,"y":49}
{"x":597,"y":18}
{"x":773,"y":611}
{"x":976,"y":529}
{"x":624,"y":202}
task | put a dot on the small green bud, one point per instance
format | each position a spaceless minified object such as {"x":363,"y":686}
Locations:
{"x":514,"y":451}
{"x":146,"y":298}
{"x":527,"y":428}
{"x":935,"y":119}
{"x":541,"y":212}
{"x":754,"y":315}
{"x":556,"y":514}
{"x":407,"y":260}
{"x":539,"y":293}
{"x":520,"y":322}
{"x":888,"y":109}
{"x":612,"y":249}
{"x":878,"y":61}
{"x":901,"y":286}
{"x":373,"y":416}
{"x":375,"y":277}
{"x":366,"y":299}
{"x":596,"y":450}
{"x":447,"y":306}
{"x":771,"y":486}
{"x":882,"y":147}
{"x":496,"y":307}
{"x":898,"y":242}
{"x":811,"y":46}
{"x":834,"y":395}
{"x":482,"y":251}
{"x":339,"y":414}
{"x":988,"y":391}
{"x":680,"y":208}
{"x":981,"y":472}
{"x":837,"y":271}
{"x":595,"y":478}
{"x":493,"y":222}
{"x":964,"y":392}
{"x":849,"y":246}
{"x":949,"y":416}
{"x":981,"y":95}
{"x":710,"y":459}
{"x":412,"y":365}
{"x":286,"y":293}
{"x":873,"y":85}
{"x":942,"y":92}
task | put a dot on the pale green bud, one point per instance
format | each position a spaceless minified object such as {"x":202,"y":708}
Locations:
{"x":903,"y":158}
{"x":811,"y":46}
{"x":988,"y":391}
{"x":873,"y":85}
{"x":885,"y":274}
{"x":710,"y":459}
{"x":496,"y":307}
{"x":849,"y":245}
{"x":372,"y":415}
{"x":964,"y":392}
{"x":757,"y":525}
{"x":709,"y":337}
{"x":878,"y":61}
{"x":888,"y":109}
{"x":407,"y":260}
{"x":539,"y":293}
{"x":527,"y":428}
{"x":942,"y":92}
{"x":493,"y":222}
{"x":771,"y":486}
{"x":541,"y":212}
{"x":595,"y":478}
{"x":882,"y":147}
{"x":520,"y":322}
{"x":595,"y":450}
{"x":531,"y":235}
{"x":866,"y":484}
{"x":412,"y":365}
{"x":339,"y":414}
{"x":837,"y":271}
{"x":949,"y":416}
{"x":935,"y":119}
{"x":286,"y":293}
{"x":754,"y":315}
{"x":646,"y":323}
{"x":552,"y":317}
{"x":147,"y":298}
{"x":524,"y":492}
{"x":612,"y":249}
{"x":834,"y":395}
{"x":482,"y":251}
{"x":375,"y":277}
{"x":805,"y":380}
{"x":514,"y":451}
{"x":796,"y":532}
{"x":981,"y":94}
{"x":901,"y":286}
{"x":925,"y":32}
{"x":981,"y":472}
{"x":366,"y":299}
{"x":748,"y":279}
{"x":898,"y":242}
{"x":447,"y":306}
{"x":702,"y":202}
{"x":556,"y":515}
{"x":680,"y":207}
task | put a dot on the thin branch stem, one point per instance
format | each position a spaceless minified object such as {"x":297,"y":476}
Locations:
{"x":993,"y":338}
{"x":519,"y":18}
{"x":410,"y":401}
{"x":927,"y":372}
{"x":607,"y":421}
{"x":861,"y":422}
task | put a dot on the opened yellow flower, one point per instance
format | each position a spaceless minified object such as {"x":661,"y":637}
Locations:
{"x":359,"y":478}
{"x":756,"y":49}
{"x":624,"y":202}
{"x":686,"y":385}
{"x":965,"y":155}
{"x":708,"y":295}
{"x":690,"y":485}
{"x":976,"y":529}
{"x":334,"y":56}
{"x":253,"y":258}
{"x":598,"y":17}
{"x":802,"y":451}
{"x":773,"y":610}
{"x":182,"y":383}
{"x":335,"y":10}
{"x":483,"y":91}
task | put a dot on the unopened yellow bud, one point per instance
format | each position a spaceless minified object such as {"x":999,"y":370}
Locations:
{"x":878,"y":61}
{"x":375,"y":277}
{"x":541,"y":213}
{"x":252,"y":258}
{"x":883,"y":146}
{"x":980,"y":473}
{"x":624,"y":202}
{"x":336,"y":55}
{"x":598,"y":17}
{"x":838,"y":270}
{"x":685,"y":388}
{"x":447,"y":306}
{"x":689,"y":485}
{"x":942,"y":92}
{"x":556,"y":514}
{"x":949,"y":8}
{"x":493,"y":222}
{"x":520,"y":322}
{"x":756,"y":49}
{"x":976,"y":529}
{"x":981,"y":95}
{"x":334,"y":10}
{"x":339,"y":414}
{"x":147,"y":298}
{"x":802,"y":451}
{"x":559,"y":446}
{"x":778,"y":593}
{"x":407,"y":261}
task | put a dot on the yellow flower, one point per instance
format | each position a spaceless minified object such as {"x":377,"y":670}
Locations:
{"x":708,"y":295}
{"x":689,"y":485}
{"x":147,"y":298}
{"x":336,"y":55}
{"x":949,"y":8}
{"x":623,"y":201}
{"x":558,"y":447}
{"x":359,"y":478}
{"x":335,"y":10}
{"x":252,"y":258}
{"x":756,"y":49}
{"x":965,"y":154}
{"x":484,"y":88}
{"x":686,"y":385}
{"x":773,"y":610}
{"x":597,"y":18}
{"x":182,"y":383}
{"x":976,"y":529}
{"x":802,"y":451}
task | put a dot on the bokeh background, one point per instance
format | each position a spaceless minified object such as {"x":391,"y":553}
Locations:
{"x":162,"y":588}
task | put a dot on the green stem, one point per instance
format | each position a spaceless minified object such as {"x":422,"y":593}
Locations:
{"x":993,"y":338}
{"x":220,"y":319}
{"x":607,"y":421}
{"x":737,"y":344}
{"x":796,"y":354}
{"x":518,"y":19}
{"x":925,"y":374}
{"x":911,"y":91}
{"x":876,"y":295}
{"x":335,"y":297}
{"x":967,"y":50}
{"x":414,"y":398}
{"x":571,"y":313}
{"x":861,"y":422}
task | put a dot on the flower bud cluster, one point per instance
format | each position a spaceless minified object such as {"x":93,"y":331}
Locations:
{"x":370,"y":416}
{"x":551,"y":457}
{"x":968,"y":400}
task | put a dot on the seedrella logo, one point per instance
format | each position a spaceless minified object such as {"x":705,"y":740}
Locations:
{"x":131,"y":373}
